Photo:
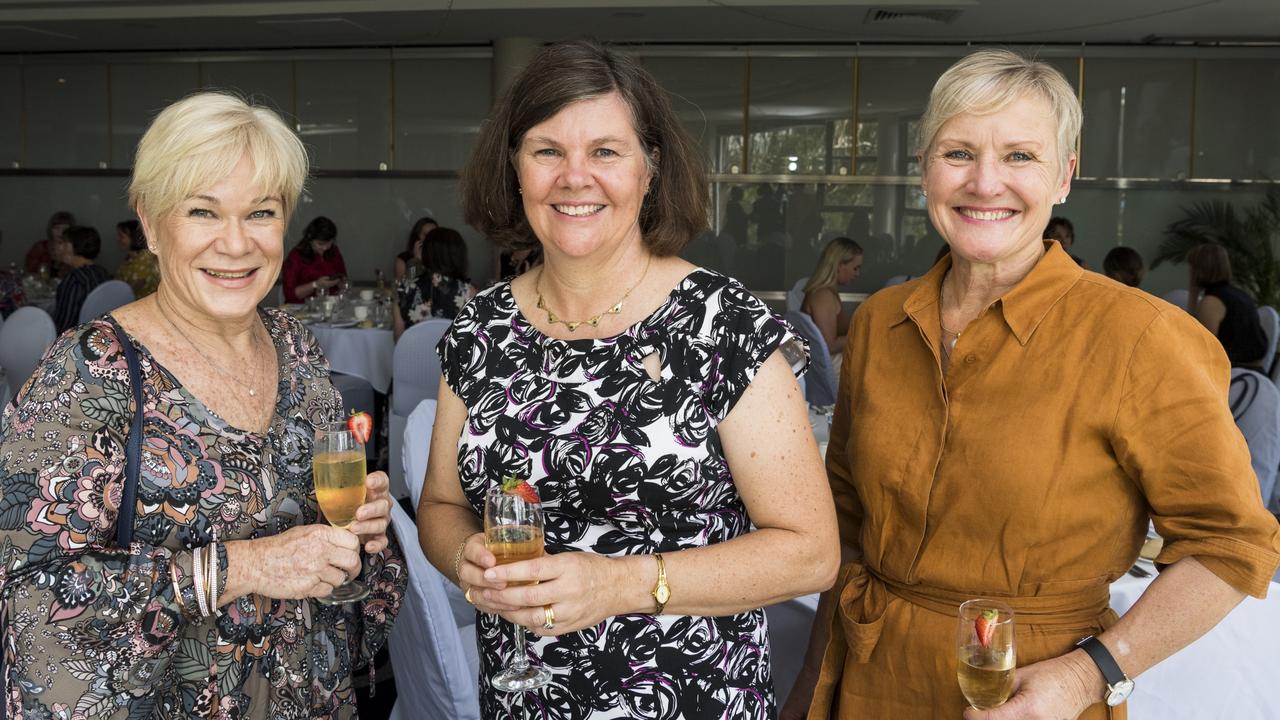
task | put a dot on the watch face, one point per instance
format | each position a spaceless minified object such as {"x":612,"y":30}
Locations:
{"x":1119,"y":692}
{"x":662,"y":594}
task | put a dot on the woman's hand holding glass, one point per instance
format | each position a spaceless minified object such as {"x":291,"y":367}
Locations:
{"x":582,"y":588}
{"x":1061,"y":687}
{"x":374,"y":515}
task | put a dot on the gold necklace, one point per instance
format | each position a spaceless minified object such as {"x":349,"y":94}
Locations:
{"x":206,"y":356}
{"x":594,"y":320}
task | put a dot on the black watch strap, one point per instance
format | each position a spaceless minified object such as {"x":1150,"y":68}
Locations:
{"x":1111,"y":671}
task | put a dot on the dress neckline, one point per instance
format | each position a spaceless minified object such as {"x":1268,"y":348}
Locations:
{"x":522,"y":320}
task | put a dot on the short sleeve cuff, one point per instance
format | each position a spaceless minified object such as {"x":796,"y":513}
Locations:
{"x":1245,"y":567}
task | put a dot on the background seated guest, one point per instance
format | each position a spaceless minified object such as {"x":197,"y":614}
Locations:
{"x":1007,"y":426}
{"x":645,"y":399}
{"x":12,"y":294}
{"x":211,"y":609}
{"x":77,"y":251}
{"x":442,"y":288}
{"x":1124,"y":264}
{"x":839,"y":264}
{"x":1224,"y":309}
{"x":1061,"y":229}
{"x":41,"y":256}
{"x":409,"y":262}
{"x":140,"y":268}
{"x":315,"y":264}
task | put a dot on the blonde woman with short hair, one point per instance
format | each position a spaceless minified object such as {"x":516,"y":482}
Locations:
{"x":211,"y":608}
{"x":1006,"y":427}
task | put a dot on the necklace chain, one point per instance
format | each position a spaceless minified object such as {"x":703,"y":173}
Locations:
{"x":207,"y":356}
{"x":594,"y":320}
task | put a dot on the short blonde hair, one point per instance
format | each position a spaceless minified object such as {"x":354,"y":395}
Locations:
{"x":986,"y":82}
{"x":200,"y":139}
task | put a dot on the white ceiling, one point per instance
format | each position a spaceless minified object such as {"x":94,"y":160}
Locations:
{"x":97,"y":25}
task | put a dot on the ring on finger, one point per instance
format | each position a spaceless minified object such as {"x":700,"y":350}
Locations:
{"x":467,"y":596}
{"x":548,"y":618}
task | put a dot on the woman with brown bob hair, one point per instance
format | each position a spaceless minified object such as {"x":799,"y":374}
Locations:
{"x":643,"y":399}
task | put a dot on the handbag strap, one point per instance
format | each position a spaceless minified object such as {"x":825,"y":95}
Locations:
{"x":133,"y":448}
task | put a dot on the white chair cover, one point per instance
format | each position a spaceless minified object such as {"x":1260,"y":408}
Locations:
{"x":23,"y":339}
{"x":103,"y":299}
{"x":415,"y":372}
{"x":820,"y":387}
{"x":1255,"y":404}
{"x":1270,"y":320}
{"x":417,"y":450}
{"x":1180,"y":297}
{"x":436,"y":676}
{"x":795,"y":296}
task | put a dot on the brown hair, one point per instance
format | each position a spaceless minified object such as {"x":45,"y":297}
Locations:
{"x":1209,"y":264}
{"x":1125,"y":265}
{"x":444,"y":251}
{"x":677,"y":206}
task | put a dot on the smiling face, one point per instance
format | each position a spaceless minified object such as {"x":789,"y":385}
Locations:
{"x":992,"y":180}
{"x":583,"y":176}
{"x":221,"y":249}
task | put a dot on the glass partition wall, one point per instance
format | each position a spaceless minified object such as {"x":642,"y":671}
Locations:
{"x":802,"y":144}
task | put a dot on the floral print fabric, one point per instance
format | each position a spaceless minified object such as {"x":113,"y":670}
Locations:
{"x":624,"y":465}
{"x":430,"y":294}
{"x":93,"y":630}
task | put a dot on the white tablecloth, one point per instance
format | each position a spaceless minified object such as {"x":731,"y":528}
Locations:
{"x":1226,"y":674}
{"x":363,"y":352}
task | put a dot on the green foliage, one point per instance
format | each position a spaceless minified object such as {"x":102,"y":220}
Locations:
{"x":1252,"y":242}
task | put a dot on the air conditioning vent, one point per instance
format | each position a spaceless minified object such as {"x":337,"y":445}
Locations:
{"x":880,"y":16}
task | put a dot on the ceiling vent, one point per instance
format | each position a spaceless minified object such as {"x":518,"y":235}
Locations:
{"x":876,"y":16}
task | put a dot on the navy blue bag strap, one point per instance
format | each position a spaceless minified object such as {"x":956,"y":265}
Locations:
{"x":133,"y":449}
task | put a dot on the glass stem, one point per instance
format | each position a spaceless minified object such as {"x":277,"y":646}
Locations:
{"x":520,"y":662}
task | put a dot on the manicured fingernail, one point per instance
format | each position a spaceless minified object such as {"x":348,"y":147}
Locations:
{"x":490,"y":575}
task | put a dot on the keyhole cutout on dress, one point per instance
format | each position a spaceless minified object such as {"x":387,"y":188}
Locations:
{"x":653,"y":366}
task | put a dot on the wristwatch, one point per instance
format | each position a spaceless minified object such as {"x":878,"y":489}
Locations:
{"x":661,"y":592}
{"x":1119,"y":686}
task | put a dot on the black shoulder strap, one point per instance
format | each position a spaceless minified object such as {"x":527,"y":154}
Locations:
{"x":133,"y":449}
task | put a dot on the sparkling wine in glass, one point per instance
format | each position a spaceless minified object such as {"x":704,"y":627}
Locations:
{"x":987,"y":656}
{"x":513,"y":532}
{"x":339,"y":471}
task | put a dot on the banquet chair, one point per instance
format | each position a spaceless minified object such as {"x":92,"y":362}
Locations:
{"x":1180,"y":297}
{"x":1270,"y":320}
{"x":435,"y":660}
{"x":820,"y":387}
{"x":795,"y":296}
{"x":417,"y":449}
{"x":415,"y":376}
{"x":1255,"y":405}
{"x":895,"y":280}
{"x":24,"y":337}
{"x":103,"y":299}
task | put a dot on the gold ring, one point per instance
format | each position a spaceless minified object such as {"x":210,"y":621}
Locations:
{"x":467,"y":596}
{"x":548,"y":618}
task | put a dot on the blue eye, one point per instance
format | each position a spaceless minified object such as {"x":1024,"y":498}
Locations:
{"x":545,"y":152}
{"x":1019,"y":156}
{"x":607,"y":152}
{"x":199,"y":213}
{"x":958,"y":155}
{"x":262,"y":214}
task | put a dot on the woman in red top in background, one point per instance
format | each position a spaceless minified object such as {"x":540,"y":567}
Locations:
{"x":315,"y":264}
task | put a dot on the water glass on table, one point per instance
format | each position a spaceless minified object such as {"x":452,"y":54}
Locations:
{"x":986,"y":653}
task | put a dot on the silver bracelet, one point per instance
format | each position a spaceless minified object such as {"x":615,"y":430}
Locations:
{"x":212,"y":561}
{"x":197,"y":577}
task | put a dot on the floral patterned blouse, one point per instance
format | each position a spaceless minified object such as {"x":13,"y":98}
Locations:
{"x":142,"y":271}
{"x":91,"y":630}
{"x":624,"y":465}
{"x":430,"y":294}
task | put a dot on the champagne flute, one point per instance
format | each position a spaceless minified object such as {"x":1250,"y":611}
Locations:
{"x":339,"y":471}
{"x":513,"y":532}
{"x":987,"y":656}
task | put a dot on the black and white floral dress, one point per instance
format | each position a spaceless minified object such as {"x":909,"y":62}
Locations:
{"x":624,"y":465}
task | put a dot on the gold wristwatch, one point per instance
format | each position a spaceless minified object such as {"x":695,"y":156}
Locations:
{"x":661,"y":592}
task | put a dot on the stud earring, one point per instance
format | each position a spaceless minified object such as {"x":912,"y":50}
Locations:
{"x":924,"y":193}
{"x":1062,"y":200}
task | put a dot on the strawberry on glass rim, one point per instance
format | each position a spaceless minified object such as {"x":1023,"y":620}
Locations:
{"x":985,"y":626}
{"x":512,"y":485}
{"x":361,"y":426}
